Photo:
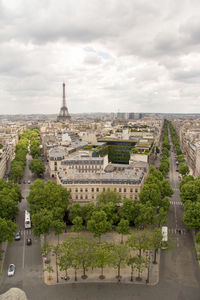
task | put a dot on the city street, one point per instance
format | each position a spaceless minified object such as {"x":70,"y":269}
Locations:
{"x":179,"y":273}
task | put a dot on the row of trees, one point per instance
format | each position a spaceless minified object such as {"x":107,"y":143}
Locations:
{"x":29,"y":138}
{"x":36,"y":166}
{"x":80,"y":252}
{"x":164,"y":165}
{"x":183,"y":168}
{"x":19,"y":162}
{"x":189,"y":190}
{"x":10,"y":195}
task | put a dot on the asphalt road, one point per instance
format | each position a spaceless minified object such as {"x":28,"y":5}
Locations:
{"x":179,"y":273}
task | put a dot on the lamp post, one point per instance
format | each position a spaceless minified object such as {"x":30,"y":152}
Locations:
{"x":148,"y":260}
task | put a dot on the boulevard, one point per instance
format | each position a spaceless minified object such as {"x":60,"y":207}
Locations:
{"x":179,"y":273}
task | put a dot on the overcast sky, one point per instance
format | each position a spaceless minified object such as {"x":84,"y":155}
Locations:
{"x":113,"y":55}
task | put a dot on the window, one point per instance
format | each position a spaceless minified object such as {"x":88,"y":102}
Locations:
{"x":92,"y":189}
{"x":131,"y":190}
{"x":86,"y":197}
{"x":136,"y":190}
{"x":124,"y":190}
{"x":92,"y":196}
{"x":97,"y":189}
{"x":104,"y":189}
{"x":81,"y":197}
{"x":120,"y":190}
{"x":76,"y":190}
{"x":86,"y":190}
{"x":81,"y":190}
{"x":55,"y":163}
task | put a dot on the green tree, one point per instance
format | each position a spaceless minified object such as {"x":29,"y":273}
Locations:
{"x":186,"y":179}
{"x":65,"y":259}
{"x":165,"y":189}
{"x":155,"y":241}
{"x":183,"y":169}
{"x":86,"y":211}
{"x":16,"y":171}
{"x":56,"y":250}
{"x":161,"y":217}
{"x":111,"y":211}
{"x":128,"y":210}
{"x":98,"y":224}
{"x":58,"y":227}
{"x":123,"y":228}
{"x":181,"y":158}
{"x":164,"y":167}
{"x":192,"y":214}
{"x":42,"y":222}
{"x":145,"y":214}
{"x":50,"y":196}
{"x":74,"y":211}
{"x":120,"y":253}
{"x":150,"y":193}
{"x":197,"y":238}
{"x":83,"y":247}
{"x":140,"y":264}
{"x":109,"y":196}
{"x":8,"y":207}
{"x":189,"y":192}
{"x":7,"y":230}
{"x":139,"y":240}
{"x":102,"y":257}
{"x":77,"y":224}
{"x":37,"y":167}
{"x":50,"y":270}
{"x":156,"y":173}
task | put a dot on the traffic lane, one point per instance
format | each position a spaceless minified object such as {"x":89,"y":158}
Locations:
{"x":32,"y":252}
{"x":14,"y":255}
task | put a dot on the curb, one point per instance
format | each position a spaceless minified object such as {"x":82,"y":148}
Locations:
{"x":3,"y":249}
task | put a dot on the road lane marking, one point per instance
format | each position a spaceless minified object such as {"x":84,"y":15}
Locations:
{"x":23,"y":255}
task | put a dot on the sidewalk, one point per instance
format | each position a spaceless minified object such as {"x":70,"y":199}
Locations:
{"x":93,"y":274}
{"x":3,"y":253}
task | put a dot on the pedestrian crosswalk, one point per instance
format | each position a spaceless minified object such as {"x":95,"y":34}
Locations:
{"x":26,"y":232}
{"x":176,"y":203}
{"x":177,"y":231}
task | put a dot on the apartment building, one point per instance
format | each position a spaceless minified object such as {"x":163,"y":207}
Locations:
{"x":84,"y":187}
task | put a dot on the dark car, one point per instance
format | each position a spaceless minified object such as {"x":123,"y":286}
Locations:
{"x":17,"y":236}
{"x":24,"y":181}
{"x":28,"y":242}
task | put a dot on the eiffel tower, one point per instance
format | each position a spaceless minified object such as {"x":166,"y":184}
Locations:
{"x":64,"y":114}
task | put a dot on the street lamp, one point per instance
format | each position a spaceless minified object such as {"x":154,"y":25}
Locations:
{"x":148,"y":261}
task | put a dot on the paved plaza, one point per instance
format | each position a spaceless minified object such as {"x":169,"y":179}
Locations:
{"x":150,"y":276}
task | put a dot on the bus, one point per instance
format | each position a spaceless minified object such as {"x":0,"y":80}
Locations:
{"x":27,"y":220}
{"x":165,"y":237}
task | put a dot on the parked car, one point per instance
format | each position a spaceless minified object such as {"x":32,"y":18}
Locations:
{"x":24,"y":181}
{"x":28,"y":241}
{"x":29,"y":181}
{"x":18,"y":236}
{"x":11,"y":270}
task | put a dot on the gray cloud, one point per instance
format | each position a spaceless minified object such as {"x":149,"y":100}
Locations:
{"x":140,"y":55}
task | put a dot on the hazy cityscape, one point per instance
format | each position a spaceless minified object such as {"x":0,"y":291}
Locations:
{"x":99,"y":150}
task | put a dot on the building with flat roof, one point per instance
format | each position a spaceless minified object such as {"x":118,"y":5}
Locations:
{"x":85,"y":186}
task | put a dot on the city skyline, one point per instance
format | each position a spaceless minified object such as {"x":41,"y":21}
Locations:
{"x":138,"y":56}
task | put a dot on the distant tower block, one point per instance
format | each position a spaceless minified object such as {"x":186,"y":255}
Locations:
{"x":64,"y":114}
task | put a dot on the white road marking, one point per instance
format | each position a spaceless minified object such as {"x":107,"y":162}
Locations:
{"x":23,"y":255}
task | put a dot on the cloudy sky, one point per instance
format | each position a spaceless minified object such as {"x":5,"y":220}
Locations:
{"x":113,"y":55}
